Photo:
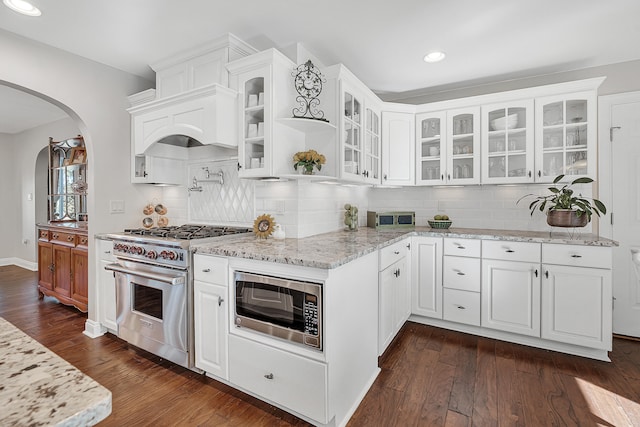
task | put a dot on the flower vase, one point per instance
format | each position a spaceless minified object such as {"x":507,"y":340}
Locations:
{"x":353,"y":225}
{"x":307,"y":170}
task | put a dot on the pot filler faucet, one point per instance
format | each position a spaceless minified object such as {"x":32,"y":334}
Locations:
{"x":209,"y":177}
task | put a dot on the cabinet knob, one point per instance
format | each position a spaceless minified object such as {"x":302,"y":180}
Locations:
{"x":239,"y":165}
{"x":269,"y":376}
{"x":69,"y":238}
{"x":576,"y":256}
{"x":461,"y":307}
{"x":396,"y":252}
{"x":409,"y":246}
{"x":461,"y":247}
{"x":52,"y":267}
{"x":546,"y":274}
{"x":529,"y":174}
{"x":460,"y":273}
{"x":539,"y":173}
{"x":206,"y":270}
{"x":384,"y":176}
{"x":220,"y":301}
{"x":536,"y":272}
{"x":509,"y":251}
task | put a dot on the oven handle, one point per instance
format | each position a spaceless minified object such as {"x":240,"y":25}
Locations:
{"x":172,"y":280}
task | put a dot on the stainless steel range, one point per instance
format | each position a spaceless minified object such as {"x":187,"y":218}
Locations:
{"x":154,"y":287}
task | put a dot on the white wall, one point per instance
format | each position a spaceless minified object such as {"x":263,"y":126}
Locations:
{"x":9,"y":191}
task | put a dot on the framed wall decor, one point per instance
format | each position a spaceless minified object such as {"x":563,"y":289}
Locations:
{"x":78,"y":155}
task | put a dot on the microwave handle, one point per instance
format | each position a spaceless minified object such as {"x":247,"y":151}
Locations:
{"x":172,"y":280}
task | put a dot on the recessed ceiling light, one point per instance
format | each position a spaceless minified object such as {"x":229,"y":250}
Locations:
{"x":434,"y":56}
{"x":23,"y":7}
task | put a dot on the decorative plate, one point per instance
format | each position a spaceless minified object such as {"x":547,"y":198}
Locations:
{"x":263,"y":226}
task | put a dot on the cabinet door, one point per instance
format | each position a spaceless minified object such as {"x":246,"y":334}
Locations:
{"x":511,"y":296}
{"x":398,"y":148}
{"x":210,"y":323}
{"x":45,"y":265}
{"x":254,"y":150}
{"x":566,"y":136}
{"x":403,"y":307}
{"x":394,"y":302}
{"x":431,"y":149}
{"x":426,"y":276}
{"x":352,"y":122}
{"x":62,"y":270}
{"x":577,"y":305}
{"x":79,"y":277}
{"x":106,"y":285}
{"x":371,"y":152}
{"x":507,"y":143}
{"x":463,"y":146}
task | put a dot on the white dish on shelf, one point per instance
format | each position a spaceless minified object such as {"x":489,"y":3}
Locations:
{"x":508,"y":122}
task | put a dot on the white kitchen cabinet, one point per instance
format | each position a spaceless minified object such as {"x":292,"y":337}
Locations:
{"x":398,"y":148}
{"x":394,"y":292}
{"x":106,"y":285}
{"x":566,"y":135}
{"x":448,"y":148}
{"x":426,"y":276}
{"x":508,"y":142}
{"x":211,"y":315}
{"x":159,"y":170}
{"x":577,"y":295}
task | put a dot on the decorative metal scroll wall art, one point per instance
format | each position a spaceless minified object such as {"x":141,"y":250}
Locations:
{"x":308,"y":83}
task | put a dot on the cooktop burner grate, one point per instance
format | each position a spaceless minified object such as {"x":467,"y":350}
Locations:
{"x":187,"y":231}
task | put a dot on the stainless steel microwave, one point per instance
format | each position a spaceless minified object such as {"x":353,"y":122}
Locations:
{"x":391,"y":219}
{"x":284,"y":308}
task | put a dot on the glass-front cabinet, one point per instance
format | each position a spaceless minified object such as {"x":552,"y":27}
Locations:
{"x":371,"y":151}
{"x":352,"y":138}
{"x":508,"y":143}
{"x":448,"y":148}
{"x":565,"y":128}
{"x":254,"y":138}
{"x":67,"y":180}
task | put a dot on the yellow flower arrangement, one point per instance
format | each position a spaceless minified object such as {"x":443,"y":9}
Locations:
{"x":308,"y":160}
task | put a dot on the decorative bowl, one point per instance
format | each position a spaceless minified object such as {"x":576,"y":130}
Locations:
{"x":509,"y":122}
{"x":439,"y":223}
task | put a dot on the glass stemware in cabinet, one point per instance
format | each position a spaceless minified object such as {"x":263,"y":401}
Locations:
{"x":431,"y":150}
{"x":254,"y":143}
{"x":507,"y":142}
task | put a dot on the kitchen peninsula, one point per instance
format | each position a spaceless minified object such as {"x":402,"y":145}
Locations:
{"x":39,"y":388}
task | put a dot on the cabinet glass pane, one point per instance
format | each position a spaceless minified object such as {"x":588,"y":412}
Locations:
{"x":348,"y":105}
{"x":253,"y":127}
{"x":430,"y":169}
{"x":497,"y":167}
{"x":553,"y":114}
{"x":430,"y":128}
{"x":552,"y":163}
{"x":462,"y":168}
{"x":431,"y":148}
{"x":576,"y":162}
{"x":516,"y":165}
{"x":63,"y":207}
{"x":577,"y":111}
{"x":463,"y":124}
{"x":254,"y":92}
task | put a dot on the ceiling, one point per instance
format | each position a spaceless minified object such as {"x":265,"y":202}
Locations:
{"x":380,"y":41}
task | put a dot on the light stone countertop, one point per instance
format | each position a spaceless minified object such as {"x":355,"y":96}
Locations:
{"x":38,"y":388}
{"x":331,"y":250}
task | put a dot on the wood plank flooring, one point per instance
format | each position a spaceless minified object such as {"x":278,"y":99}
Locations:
{"x":430,"y":377}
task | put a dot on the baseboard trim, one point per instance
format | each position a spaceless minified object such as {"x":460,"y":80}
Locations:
{"x":93,"y":329}
{"x":28,"y":265}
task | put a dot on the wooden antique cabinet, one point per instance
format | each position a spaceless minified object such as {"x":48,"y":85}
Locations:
{"x":62,"y":265}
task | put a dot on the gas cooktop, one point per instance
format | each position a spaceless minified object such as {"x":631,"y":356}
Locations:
{"x":187,"y":231}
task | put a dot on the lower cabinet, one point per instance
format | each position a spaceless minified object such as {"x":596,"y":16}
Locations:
{"x":106,"y":285}
{"x":394,"y":293}
{"x":426,"y":277}
{"x":211,"y":315}
{"x":287,"y":379}
{"x":62,"y":266}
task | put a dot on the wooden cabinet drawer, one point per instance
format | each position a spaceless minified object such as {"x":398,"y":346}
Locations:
{"x":210,"y":269}
{"x":461,"y":306}
{"x":43,"y":235}
{"x":461,"y":273}
{"x":392,"y":253}
{"x":292,"y":381}
{"x":67,"y":239}
{"x":577,"y":255}
{"x":511,"y":251}
{"x":82,"y":241}
{"x":462,"y":247}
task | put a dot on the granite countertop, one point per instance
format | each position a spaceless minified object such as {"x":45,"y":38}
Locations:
{"x":39,"y":388}
{"x":65,"y":225}
{"x":331,"y":250}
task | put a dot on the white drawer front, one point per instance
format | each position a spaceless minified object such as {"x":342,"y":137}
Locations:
{"x":461,"y":273}
{"x":577,"y":255}
{"x":462,"y":247}
{"x":511,"y":251}
{"x":290,"y":380}
{"x":461,"y":306}
{"x":392,"y":253}
{"x":105,"y":250}
{"x":210,"y":269}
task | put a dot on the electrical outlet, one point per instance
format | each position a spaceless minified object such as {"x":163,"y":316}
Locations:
{"x":116,"y":206}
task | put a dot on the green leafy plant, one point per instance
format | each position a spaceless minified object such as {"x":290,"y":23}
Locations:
{"x":565,"y":198}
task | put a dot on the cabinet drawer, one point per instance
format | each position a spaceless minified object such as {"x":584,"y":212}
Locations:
{"x":210,"y":269}
{"x":511,"y":251}
{"x":292,"y":381}
{"x":392,"y":253}
{"x":576,"y":255}
{"x":461,"y":306}
{"x":43,"y":235}
{"x":105,"y":250}
{"x":82,"y":241}
{"x":462,"y":247}
{"x":61,"y":238}
{"x":461,"y":273}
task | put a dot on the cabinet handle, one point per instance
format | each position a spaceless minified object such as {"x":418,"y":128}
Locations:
{"x":461,"y":307}
{"x":206,"y":270}
{"x":442,"y":177}
{"x":509,"y":251}
{"x":107,"y":252}
{"x":461,"y":247}
{"x":52,"y":267}
{"x":396,"y":272}
{"x":409,"y":246}
{"x":269,"y":376}
{"x":576,"y":256}
{"x":69,"y":238}
{"x":546,"y":274}
{"x":239,"y":165}
{"x":536,"y":272}
{"x":529,"y":174}
{"x":54,"y":235}
{"x":448,"y":177}
{"x":384,"y":176}
{"x":539,"y":174}
{"x":396,"y":252}
{"x":220,"y":301}
{"x":460,"y":273}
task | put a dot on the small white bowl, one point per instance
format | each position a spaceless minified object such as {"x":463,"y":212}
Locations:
{"x":509,"y":122}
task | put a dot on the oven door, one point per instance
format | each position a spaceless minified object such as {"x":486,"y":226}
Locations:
{"x":152,"y":309}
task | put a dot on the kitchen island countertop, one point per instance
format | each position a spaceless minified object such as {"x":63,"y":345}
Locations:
{"x":331,"y":250}
{"x":38,"y":388}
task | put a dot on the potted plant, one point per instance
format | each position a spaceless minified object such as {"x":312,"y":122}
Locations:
{"x":564,"y":207}
{"x":308,"y":160}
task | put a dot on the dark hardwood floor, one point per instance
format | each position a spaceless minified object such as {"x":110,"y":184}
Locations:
{"x":430,"y":377}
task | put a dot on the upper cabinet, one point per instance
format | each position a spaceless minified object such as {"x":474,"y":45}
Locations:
{"x":508,"y":142}
{"x":448,"y":149}
{"x":269,"y":134}
{"x":67,"y":180}
{"x":398,"y":148}
{"x":566,"y":136}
